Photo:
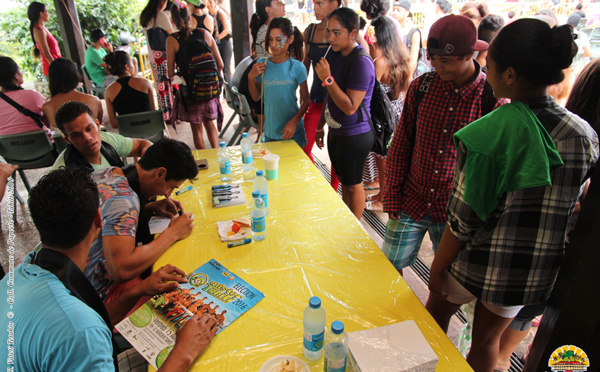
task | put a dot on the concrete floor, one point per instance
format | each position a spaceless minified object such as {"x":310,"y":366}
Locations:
{"x":26,"y":236}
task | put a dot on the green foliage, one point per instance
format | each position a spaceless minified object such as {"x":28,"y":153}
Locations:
{"x":112,"y":16}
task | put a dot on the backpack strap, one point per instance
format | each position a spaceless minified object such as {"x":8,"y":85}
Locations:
{"x":23,"y":110}
{"x":356,"y":53}
{"x":311,"y":32}
{"x":488,"y":100}
{"x":424,"y":84}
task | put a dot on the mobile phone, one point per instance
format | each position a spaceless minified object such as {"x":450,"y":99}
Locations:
{"x":202,"y":164}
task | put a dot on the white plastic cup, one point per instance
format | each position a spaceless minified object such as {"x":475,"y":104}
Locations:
{"x":271,"y":166}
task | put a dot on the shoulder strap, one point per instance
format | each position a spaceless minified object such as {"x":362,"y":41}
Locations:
{"x":409,"y":37}
{"x":311,"y":32}
{"x":424,"y":84}
{"x":488,"y":100}
{"x":351,"y":57}
{"x":23,"y":110}
{"x":74,"y":159}
{"x":142,"y":234}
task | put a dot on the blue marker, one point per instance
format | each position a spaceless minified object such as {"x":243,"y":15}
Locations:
{"x":179,"y":192}
{"x":239,"y":242}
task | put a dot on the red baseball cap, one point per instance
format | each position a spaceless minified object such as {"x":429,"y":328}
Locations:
{"x":454,"y":35}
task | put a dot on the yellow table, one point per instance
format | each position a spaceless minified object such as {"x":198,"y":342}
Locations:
{"x":314,"y":247}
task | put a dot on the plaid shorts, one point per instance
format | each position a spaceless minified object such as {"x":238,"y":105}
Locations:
{"x":403,"y":238}
{"x":132,"y":361}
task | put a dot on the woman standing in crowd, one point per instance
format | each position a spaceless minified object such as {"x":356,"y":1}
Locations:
{"x":157,"y":27}
{"x":486,"y":252}
{"x":374,"y":9}
{"x":281,"y":76}
{"x":411,"y":35}
{"x":350,"y":79}
{"x":266,"y":10}
{"x":46,"y":46}
{"x":202,"y":20}
{"x":193,"y":49}
{"x":13,"y":121}
{"x":393,"y":72}
{"x":129,"y":94}
{"x":63,"y":79}
{"x":224,"y":37}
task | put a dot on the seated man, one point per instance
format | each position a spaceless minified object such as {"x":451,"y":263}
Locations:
{"x":88,"y":146}
{"x":56,"y":320}
{"x":125,"y":248}
{"x":94,"y":59}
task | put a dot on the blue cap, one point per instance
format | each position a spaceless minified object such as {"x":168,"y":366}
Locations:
{"x":259,"y":173}
{"x":255,"y":194}
{"x":314,"y":302}
{"x":222,"y":144}
{"x":337,"y":327}
{"x":245,"y":135}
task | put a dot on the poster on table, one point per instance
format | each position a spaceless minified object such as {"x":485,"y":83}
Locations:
{"x":211,"y":289}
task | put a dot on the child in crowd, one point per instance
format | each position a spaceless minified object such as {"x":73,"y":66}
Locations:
{"x":281,"y":75}
{"x":518,"y":175}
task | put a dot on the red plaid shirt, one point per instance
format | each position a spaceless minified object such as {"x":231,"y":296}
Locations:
{"x":420,"y":161}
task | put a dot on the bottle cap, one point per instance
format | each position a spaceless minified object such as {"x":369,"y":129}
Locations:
{"x":315,"y":302}
{"x":337,"y":327}
{"x":255,"y":194}
{"x":222,"y":144}
{"x":245,"y":135}
{"x":259,"y":173}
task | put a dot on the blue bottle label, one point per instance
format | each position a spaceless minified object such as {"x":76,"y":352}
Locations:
{"x":225,"y":167}
{"x":259,"y":224}
{"x":265,"y":198}
{"x":314,"y":342}
{"x":247,"y":157}
{"x":335,"y":365}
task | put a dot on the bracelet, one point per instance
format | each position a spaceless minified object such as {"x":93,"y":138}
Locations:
{"x":321,"y":130}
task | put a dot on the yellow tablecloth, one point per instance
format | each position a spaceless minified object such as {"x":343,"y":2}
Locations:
{"x":314,"y":247}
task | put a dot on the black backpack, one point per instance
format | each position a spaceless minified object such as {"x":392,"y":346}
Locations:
{"x":380,"y":117}
{"x":423,"y":64}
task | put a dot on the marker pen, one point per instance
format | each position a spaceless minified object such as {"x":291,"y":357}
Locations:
{"x":179,"y":192}
{"x":239,"y":242}
{"x":215,"y":187}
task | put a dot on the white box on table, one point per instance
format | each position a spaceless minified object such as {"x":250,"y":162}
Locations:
{"x":399,"y":347}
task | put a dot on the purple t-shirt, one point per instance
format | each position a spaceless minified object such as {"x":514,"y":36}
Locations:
{"x":361,"y":76}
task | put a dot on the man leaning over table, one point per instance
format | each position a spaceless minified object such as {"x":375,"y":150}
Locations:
{"x":125,"y":248}
{"x":56,"y":321}
{"x":88,"y":146}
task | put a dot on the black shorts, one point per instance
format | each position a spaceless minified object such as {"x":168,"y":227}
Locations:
{"x":348,"y":155}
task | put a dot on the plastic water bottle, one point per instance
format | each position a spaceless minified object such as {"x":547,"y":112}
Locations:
{"x":336,"y":348}
{"x":260,"y":184}
{"x":224,"y":162}
{"x":247,"y":161}
{"x":257,"y":213}
{"x":314,"y":329}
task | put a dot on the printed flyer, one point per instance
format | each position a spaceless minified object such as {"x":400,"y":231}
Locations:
{"x":210,"y":289}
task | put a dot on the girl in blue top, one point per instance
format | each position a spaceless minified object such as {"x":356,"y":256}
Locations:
{"x":282,"y":75}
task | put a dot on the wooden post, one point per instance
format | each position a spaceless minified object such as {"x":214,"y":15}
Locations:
{"x":241,"y":11}
{"x":68,"y":20}
{"x":571,"y":316}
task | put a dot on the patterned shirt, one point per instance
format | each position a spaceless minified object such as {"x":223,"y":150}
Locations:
{"x":120,"y":207}
{"x":514,"y":256}
{"x":421,"y":157}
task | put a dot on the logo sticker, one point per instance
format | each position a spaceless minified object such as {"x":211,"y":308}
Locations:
{"x":568,"y":358}
{"x":449,"y":48}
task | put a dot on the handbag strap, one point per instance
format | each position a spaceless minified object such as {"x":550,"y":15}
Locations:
{"x":23,"y":110}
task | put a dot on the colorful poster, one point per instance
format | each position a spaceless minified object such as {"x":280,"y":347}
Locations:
{"x":211,"y":289}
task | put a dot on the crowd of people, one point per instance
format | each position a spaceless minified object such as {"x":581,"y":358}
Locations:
{"x":484,"y":157}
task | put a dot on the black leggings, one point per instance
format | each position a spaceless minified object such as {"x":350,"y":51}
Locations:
{"x":348,"y":155}
{"x":226,"y":50}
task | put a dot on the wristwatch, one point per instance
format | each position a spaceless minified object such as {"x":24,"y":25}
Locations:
{"x":328,"y":81}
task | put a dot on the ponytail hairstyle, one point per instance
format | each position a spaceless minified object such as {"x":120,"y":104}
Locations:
{"x":584,"y":99}
{"x":150,"y":12}
{"x":285,"y":25}
{"x":8,"y":69}
{"x":33,"y":13}
{"x":395,"y":52}
{"x":348,"y":19}
{"x":259,"y":18}
{"x":181,"y":19}
{"x":375,"y":8}
{"x":536,"y":51}
{"x":63,"y":76}
{"x":117,"y":62}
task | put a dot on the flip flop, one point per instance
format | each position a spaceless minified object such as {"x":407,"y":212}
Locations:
{"x":367,"y":187}
{"x":536,"y":322}
{"x":369,"y":207}
{"x":371,"y":196}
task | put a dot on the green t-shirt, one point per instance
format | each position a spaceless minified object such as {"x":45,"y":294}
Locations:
{"x":93,"y":59}
{"x":122,"y":145}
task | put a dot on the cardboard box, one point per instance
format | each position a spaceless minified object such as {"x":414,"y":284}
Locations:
{"x":399,"y":347}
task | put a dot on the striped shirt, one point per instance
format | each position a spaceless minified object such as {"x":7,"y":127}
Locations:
{"x":514,"y":256}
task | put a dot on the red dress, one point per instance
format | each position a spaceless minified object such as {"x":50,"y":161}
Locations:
{"x":52,"y":45}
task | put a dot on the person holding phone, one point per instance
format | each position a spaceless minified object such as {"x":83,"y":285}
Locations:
{"x":94,"y":59}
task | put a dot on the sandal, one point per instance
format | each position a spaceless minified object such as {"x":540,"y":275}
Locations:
{"x":371,"y":196}
{"x":367,"y":187}
{"x":369,"y":206}
{"x":536,"y":322}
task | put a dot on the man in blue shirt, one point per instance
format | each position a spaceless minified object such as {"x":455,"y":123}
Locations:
{"x":54,"y":319}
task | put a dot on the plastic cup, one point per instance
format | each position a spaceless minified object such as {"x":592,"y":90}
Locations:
{"x":271,"y":166}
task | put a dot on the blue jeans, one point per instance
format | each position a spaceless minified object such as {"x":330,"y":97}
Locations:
{"x":403,"y":238}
